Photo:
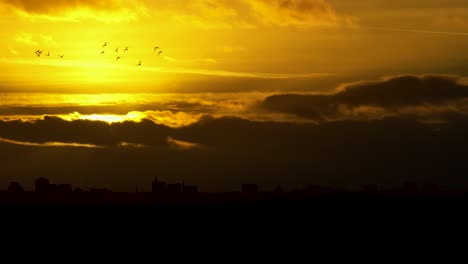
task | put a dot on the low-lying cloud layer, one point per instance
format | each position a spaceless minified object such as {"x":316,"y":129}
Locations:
{"x":220,"y":154}
{"x":430,"y":95}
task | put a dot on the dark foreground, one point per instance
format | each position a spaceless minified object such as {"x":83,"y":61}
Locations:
{"x":297,"y":202}
{"x":307,"y":214}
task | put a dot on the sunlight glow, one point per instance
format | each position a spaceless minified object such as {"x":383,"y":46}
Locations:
{"x":108,"y":118}
{"x":166,"y":118}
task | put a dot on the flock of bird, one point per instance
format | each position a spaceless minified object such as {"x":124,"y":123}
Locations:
{"x":155,"y":49}
{"x":39,"y":53}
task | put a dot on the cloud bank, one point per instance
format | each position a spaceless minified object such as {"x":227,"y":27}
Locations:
{"x":428,"y":95}
{"x":220,"y":154}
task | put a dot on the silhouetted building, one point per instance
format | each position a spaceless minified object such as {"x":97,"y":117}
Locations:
{"x":15,"y":187}
{"x":187,"y":189}
{"x":100,"y":191}
{"x":430,"y":189}
{"x":318,"y":190}
{"x":52,"y":188}
{"x":410,"y":187}
{"x":279,"y":190}
{"x":78,"y":190}
{"x":370,"y":188}
{"x":42,"y":185}
{"x":64,"y":188}
{"x":249,"y":188}
{"x":158,"y":187}
{"x":174,"y":188}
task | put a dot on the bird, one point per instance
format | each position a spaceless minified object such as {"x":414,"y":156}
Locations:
{"x":61,"y":56}
{"x":156,"y":48}
{"x":159,"y":53}
{"x":102,"y":52}
{"x":139,"y":64}
{"x":126,"y":48}
{"x":117,"y":59}
{"x":38,"y":53}
{"x":105,"y":45}
{"x":48,"y":54}
{"x":117,"y":50}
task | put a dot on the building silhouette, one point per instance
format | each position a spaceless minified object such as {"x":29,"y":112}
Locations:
{"x":430,"y":189}
{"x":174,"y":188}
{"x":249,"y":188}
{"x":15,"y":187}
{"x":370,"y":188}
{"x":158,"y":187}
{"x":42,"y":185}
{"x":100,"y":191}
{"x":63,"y":189}
{"x":410,"y":187}
{"x":187,"y":189}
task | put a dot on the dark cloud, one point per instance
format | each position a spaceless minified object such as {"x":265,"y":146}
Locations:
{"x":236,"y":151}
{"x":391,"y":94}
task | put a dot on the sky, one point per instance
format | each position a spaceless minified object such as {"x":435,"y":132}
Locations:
{"x":277,"y":92}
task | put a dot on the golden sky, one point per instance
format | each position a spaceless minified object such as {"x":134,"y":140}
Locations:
{"x":289,"y":92}
{"x":207,"y":43}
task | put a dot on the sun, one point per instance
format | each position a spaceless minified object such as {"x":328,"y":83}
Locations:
{"x":108,"y":118}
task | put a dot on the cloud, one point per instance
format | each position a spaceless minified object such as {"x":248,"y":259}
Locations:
{"x":25,"y":39}
{"x":190,"y":61}
{"x":131,"y":145}
{"x":182,"y":145}
{"x":13,"y":51}
{"x":106,"y":10}
{"x":342,"y":153}
{"x":205,"y":13}
{"x":34,"y":40}
{"x":253,"y":13}
{"x":48,"y":144}
{"x":297,"y":12}
{"x":395,"y":95}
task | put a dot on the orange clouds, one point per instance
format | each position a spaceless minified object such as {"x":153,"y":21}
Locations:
{"x":106,"y":10}
{"x":206,"y":13}
{"x":251,"y":13}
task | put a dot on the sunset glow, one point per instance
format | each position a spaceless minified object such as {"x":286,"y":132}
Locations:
{"x":224,"y":92}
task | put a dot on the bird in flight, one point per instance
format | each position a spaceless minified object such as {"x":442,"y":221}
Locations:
{"x":159,"y":53}
{"x":117,"y":59}
{"x":105,"y":45}
{"x":139,"y":64}
{"x":155,"y":48}
{"x":126,"y":48}
{"x":38,"y":53}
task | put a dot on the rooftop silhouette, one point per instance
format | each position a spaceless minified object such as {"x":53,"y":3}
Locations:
{"x":173,"y":194}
